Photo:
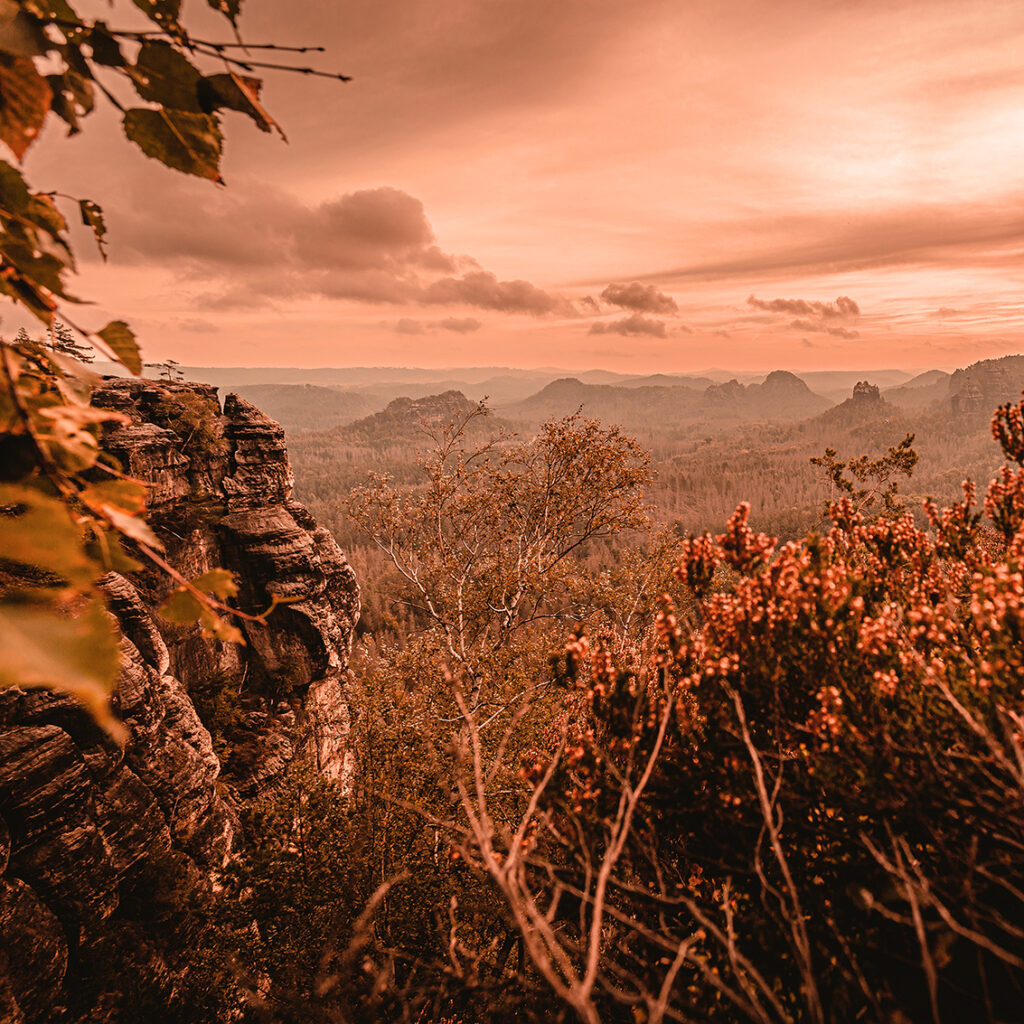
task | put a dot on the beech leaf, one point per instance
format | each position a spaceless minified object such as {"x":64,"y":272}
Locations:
{"x":25,"y":98}
{"x":120,"y":340}
{"x":238,"y":92}
{"x":184,"y":141}
{"x":19,"y":34}
{"x":77,"y":655}
{"x":166,"y":76}
{"x":219,"y":582}
{"x":92,"y":217}
{"x":41,"y":535}
{"x":182,"y":606}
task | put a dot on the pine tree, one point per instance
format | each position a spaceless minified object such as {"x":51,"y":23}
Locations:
{"x":63,"y":340}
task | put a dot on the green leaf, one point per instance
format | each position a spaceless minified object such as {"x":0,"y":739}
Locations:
{"x":19,"y":34}
{"x":182,"y":606}
{"x":186,"y":142}
{"x":219,"y":582}
{"x":77,"y":655}
{"x":92,"y":217}
{"x":24,"y":103}
{"x":41,"y":535}
{"x":131,"y":526}
{"x":119,"y":338}
{"x":165,"y":75}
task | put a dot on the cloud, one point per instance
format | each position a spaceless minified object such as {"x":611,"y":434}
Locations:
{"x":461,"y":325}
{"x":408,"y":326}
{"x":944,"y":313}
{"x":843,"y":308}
{"x":196,"y":326}
{"x":372,"y":245}
{"x":822,"y":328}
{"x":631,"y":326}
{"x":978,"y":234}
{"x":644,"y":298}
{"x":481,"y":288}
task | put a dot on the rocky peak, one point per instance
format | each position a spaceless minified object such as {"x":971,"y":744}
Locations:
{"x":84,"y":823}
{"x":864,"y":391}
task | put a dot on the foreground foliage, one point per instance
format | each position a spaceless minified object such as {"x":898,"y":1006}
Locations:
{"x":69,"y":515}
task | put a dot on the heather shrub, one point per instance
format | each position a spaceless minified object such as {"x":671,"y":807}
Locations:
{"x":799,"y":798}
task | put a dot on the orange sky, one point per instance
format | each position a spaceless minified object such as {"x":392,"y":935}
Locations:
{"x":500,"y":172}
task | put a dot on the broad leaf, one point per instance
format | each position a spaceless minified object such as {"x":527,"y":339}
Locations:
{"x":41,"y":535}
{"x":119,"y":338}
{"x":131,"y":526}
{"x":72,"y":97}
{"x":238,"y":92}
{"x":186,"y":142}
{"x":77,"y":655}
{"x":128,"y":495}
{"x":181,"y":606}
{"x":92,"y":217}
{"x":165,"y":75}
{"x":24,"y":102}
{"x":164,"y":12}
{"x":219,"y":582}
{"x":105,"y":48}
{"x":19,"y":34}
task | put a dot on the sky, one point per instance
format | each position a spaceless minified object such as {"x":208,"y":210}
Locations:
{"x":651,"y":186}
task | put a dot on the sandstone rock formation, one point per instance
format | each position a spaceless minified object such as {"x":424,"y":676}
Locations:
{"x":88,"y":828}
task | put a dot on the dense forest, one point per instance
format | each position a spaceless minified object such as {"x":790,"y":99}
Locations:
{"x":654,"y":772}
{"x":701,"y":468}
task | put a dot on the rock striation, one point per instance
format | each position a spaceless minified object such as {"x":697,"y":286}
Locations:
{"x":89,"y":828}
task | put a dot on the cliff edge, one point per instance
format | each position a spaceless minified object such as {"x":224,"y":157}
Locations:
{"x":90,"y":832}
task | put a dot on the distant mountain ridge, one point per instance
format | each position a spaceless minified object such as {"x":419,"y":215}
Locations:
{"x":781,"y":396}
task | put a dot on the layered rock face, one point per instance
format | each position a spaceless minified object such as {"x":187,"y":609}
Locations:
{"x":87,"y":828}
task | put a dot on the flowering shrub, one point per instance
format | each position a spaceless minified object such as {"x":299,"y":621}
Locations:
{"x":804,"y":799}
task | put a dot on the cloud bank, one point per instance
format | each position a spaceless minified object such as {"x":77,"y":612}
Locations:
{"x":631,"y":326}
{"x":642,"y":298}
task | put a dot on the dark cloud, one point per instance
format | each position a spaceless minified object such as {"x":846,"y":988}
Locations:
{"x":380,"y":228}
{"x":823,"y":328}
{"x":409,"y":326}
{"x":461,"y":325}
{"x":843,"y":308}
{"x":373,"y":245}
{"x":481,"y":288}
{"x":944,"y":313}
{"x":643,"y":298}
{"x":631,"y":325}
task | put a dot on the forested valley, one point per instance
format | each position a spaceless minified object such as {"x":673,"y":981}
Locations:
{"x":489,"y":695}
